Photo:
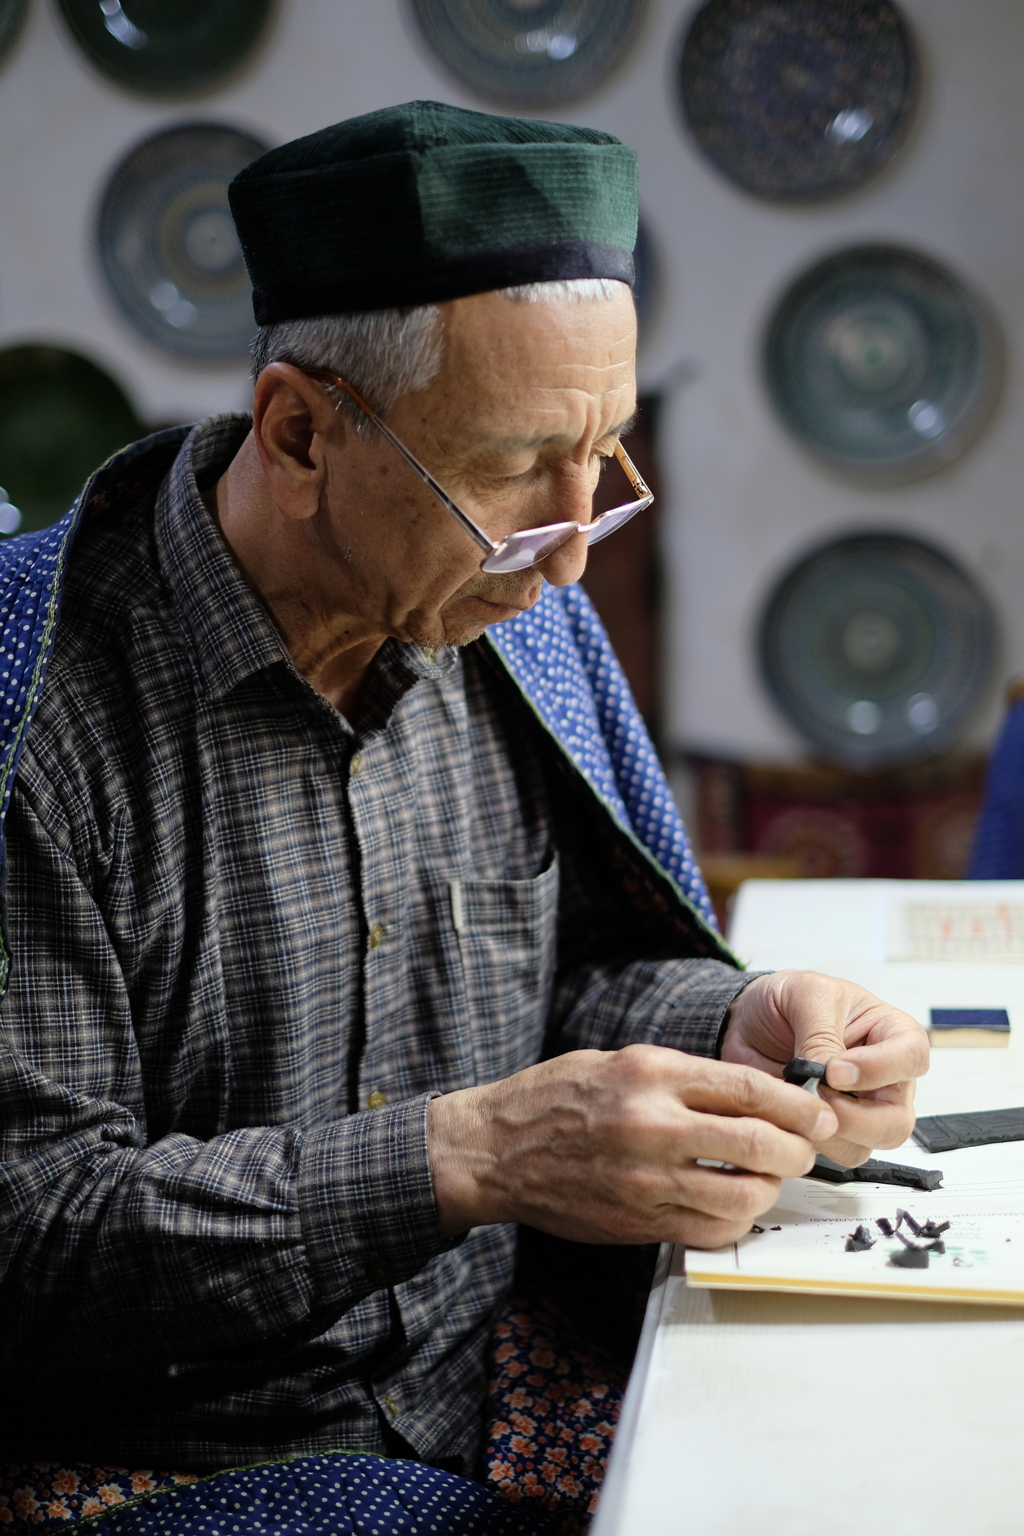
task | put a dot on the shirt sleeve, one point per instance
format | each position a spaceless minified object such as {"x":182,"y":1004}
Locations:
{"x":110,"y":1239}
{"x":674,"y":1002}
{"x":614,"y":987}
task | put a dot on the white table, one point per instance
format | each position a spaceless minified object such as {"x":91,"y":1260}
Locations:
{"x":774,"y":1415}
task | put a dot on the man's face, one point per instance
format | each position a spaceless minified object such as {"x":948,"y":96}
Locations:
{"x":516,"y":426}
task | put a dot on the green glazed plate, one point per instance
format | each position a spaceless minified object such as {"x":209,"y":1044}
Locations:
{"x":882,"y":363}
{"x":167,"y":242}
{"x":166,"y":47}
{"x":878,"y":648}
{"x":61,"y":417}
{"x":529,"y":53}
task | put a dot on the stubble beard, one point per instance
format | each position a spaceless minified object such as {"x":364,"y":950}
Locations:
{"x":516,"y":589}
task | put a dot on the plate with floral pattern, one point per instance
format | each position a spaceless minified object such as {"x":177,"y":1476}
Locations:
{"x":798,"y":100}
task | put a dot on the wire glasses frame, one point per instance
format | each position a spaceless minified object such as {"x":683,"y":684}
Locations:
{"x":528,"y":546}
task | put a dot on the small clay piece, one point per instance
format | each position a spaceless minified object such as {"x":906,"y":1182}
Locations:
{"x":915,"y":1226}
{"x":757,"y":1229}
{"x":938,"y":1246}
{"x":776,"y":1229}
{"x":859,"y":1241}
{"x":800,"y":1071}
{"x":910,"y":1258}
{"x":934,"y":1229}
{"x":884,"y":1226}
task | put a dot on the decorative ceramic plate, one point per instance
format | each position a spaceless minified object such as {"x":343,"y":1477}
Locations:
{"x":882,"y":363}
{"x":168,"y":246}
{"x":797,"y":100}
{"x":878,"y":648}
{"x":60,"y":418}
{"x":529,"y":53}
{"x":12,"y":14}
{"x":166,"y":47}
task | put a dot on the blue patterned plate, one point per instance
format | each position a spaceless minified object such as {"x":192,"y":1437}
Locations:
{"x":61,"y":417}
{"x":878,"y":648}
{"x":168,"y":246}
{"x":529,"y":53}
{"x":882,"y":363}
{"x":166,"y":47}
{"x":798,"y":100}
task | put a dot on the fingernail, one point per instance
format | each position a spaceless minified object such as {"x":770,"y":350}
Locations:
{"x":842,"y":1074}
{"x":826,"y":1125}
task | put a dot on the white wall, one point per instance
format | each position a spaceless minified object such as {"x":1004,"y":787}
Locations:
{"x":741,"y":501}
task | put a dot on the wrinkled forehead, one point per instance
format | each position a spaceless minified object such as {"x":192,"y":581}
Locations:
{"x":562,"y":363}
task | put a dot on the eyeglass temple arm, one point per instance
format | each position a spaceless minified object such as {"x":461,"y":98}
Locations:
{"x":475,"y":532}
{"x":632,"y":473}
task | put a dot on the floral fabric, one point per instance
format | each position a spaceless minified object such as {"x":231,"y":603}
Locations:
{"x":49,"y":1494}
{"x":555,"y":1405}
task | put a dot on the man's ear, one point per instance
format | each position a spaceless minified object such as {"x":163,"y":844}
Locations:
{"x":293,"y":422}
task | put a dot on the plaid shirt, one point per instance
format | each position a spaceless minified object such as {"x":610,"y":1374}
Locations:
{"x":251,"y":939}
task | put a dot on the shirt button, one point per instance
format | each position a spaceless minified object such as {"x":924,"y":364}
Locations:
{"x":376,"y":936}
{"x":377,"y":1100}
{"x":356,"y":763}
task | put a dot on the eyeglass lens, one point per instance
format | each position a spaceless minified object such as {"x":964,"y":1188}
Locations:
{"x":531,"y":545}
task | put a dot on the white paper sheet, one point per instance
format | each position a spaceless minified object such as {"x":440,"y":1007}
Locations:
{"x":982,"y":1199}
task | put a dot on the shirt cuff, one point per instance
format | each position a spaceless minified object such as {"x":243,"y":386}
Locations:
{"x":366,"y":1201}
{"x":694,"y":1019}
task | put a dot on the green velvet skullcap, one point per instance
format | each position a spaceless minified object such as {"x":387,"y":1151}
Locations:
{"x":425,"y":202}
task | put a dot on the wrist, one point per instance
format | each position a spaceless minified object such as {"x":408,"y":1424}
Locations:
{"x":457,"y":1151}
{"x":732,"y":1020}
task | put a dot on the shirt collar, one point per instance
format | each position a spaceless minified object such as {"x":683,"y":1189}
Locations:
{"x":231,"y":631}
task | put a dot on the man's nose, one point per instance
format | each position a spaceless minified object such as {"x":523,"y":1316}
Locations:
{"x":575,"y":504}
{"x":567,"y":563}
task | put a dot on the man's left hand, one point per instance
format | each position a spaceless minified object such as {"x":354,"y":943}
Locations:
{"x":873,"y":1051}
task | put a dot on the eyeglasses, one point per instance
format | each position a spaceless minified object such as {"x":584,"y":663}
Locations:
{"x":529,"y":545}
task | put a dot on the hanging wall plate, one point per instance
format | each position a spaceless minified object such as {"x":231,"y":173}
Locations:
{"x":167,"y":242}
{"x":798,"y":100}
{"x":12,"y":14}
{"x":166,"y":47}
{"x":529,"y":53}
{"x":878,"y":648}
{"x":882,"y":363}
{"x":61,"y":417}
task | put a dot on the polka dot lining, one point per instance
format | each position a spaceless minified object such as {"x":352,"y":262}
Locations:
{"x":343,"y":1495}
{"x":561,"y":658}
{"x":31,"y":570}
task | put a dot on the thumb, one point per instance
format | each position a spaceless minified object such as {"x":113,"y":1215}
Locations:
{"x":817,"y":1010}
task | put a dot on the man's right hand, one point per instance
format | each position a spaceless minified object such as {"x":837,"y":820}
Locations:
{"x":603,"y":1147}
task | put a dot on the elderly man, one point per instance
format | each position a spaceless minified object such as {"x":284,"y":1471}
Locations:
{"x":350,"y":924}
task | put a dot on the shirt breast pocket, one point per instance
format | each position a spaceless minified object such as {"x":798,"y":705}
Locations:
{"x":507,"y":931}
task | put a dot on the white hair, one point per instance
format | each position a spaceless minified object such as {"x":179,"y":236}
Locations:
{"x":387,"y":353}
